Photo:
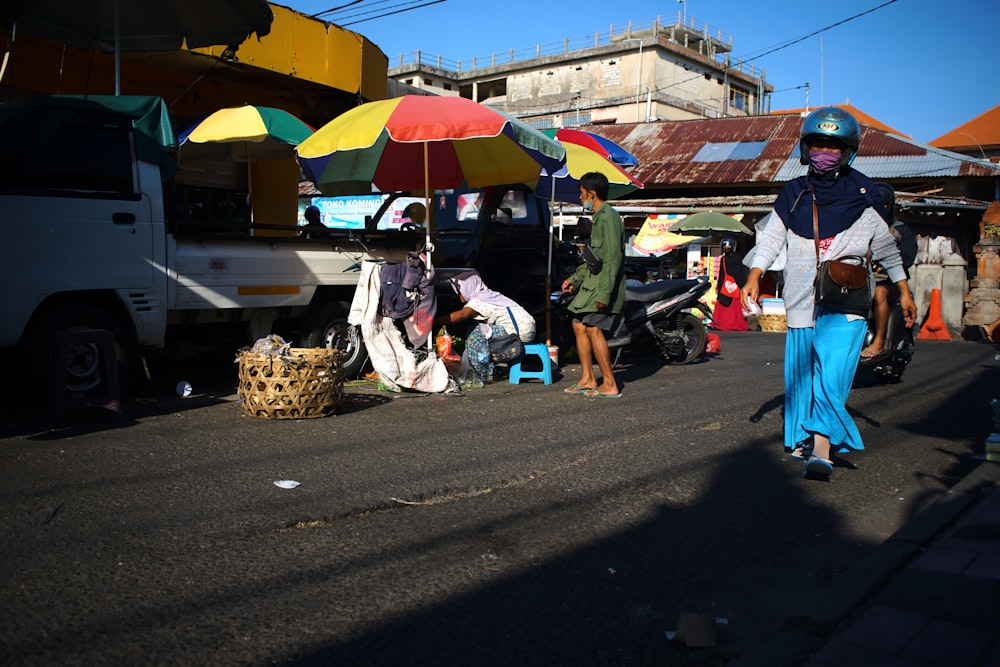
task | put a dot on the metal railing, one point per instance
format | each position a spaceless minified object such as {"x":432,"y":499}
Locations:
{"x":614,"y":35}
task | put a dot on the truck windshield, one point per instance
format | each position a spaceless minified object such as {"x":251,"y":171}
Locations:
{"x":459,"y":210}
{"x":455,"y":210}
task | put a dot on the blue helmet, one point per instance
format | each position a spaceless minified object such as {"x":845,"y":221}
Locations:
{"x":833,"y":123}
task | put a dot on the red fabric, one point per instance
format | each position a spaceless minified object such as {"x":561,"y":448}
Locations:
{"x":730,"y":318}
{"x":729,"y":286}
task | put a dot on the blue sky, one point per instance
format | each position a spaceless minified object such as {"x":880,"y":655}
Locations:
{"x":919,"y":66}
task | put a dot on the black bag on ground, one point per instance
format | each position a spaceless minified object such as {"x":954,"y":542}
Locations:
{"x":507,"y":349}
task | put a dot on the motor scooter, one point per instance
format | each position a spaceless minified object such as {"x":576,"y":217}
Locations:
{"x":887,"y":367}
{"x":654,"y":313}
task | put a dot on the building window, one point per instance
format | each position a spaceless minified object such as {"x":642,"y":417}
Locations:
{"x":739,"y":99}
{"x":540,"y":123}
{"x":729,"y":150}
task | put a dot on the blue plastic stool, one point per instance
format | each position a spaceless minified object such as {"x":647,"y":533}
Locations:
{"x":542,"y":352}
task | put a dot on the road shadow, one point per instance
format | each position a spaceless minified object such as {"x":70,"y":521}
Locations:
{"x":614,"y":602}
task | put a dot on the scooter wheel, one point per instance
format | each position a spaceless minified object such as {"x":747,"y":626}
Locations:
{"x":681,"y":340}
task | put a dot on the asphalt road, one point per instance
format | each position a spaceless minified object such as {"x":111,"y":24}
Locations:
{"x":509,"y":525}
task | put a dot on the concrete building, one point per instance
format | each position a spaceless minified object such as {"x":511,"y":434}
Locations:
{"x":673,"y":70}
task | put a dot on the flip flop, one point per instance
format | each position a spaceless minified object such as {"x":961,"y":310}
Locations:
{"x":593,"y":393}
{"x":801,"y":452}
{"x":576,"y":389}
{"x":817,"y":468}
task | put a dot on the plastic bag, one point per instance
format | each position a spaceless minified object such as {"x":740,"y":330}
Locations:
{"x":443,"y":345}
{"x":271,"y":345}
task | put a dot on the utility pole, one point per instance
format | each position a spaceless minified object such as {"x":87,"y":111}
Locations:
{"x":638,"y":83}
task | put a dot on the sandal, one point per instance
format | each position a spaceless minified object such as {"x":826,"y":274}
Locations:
{"x":802,"y":452}
{"x":817,"y":468}
{"x":593,"y":393}
{"x":576,"y":389}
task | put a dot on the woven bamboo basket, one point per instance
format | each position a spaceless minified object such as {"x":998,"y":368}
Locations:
{"x":303,"y":383}
{"x":772,"y":323}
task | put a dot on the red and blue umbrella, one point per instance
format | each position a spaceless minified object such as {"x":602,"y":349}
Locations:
{"x":595,"y":142}
{"x":564,"y":183}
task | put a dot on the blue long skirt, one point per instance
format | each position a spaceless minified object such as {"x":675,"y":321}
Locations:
{"x":820,"y":364}
{"x":798,"y":385}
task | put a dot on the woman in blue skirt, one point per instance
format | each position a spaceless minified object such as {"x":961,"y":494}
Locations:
{"x":821,"y":346}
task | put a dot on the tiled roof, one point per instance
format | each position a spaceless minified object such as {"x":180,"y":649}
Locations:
{"x":860,"y":115}
{"x":982,"y":131}
{"x":667,"y":153}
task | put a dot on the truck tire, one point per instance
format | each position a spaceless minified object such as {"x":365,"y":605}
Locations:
{"x":326,"y":326}
{"x":83,"y":363}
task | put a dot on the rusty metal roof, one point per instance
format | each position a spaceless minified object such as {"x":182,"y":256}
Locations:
{"x":667,"y":149}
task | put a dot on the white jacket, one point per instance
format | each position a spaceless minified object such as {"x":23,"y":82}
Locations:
{"x":869,"y":230}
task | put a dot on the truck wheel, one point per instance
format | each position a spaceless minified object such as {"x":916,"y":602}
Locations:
{"x":326,"y":326}
{"x":83,"y":366}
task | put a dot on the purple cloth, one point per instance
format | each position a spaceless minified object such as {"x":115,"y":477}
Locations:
{"x":471,"y":286}
{"x":408,"y":295}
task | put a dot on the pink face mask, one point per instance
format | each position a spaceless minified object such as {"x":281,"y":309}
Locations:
{"x":823,"y":161}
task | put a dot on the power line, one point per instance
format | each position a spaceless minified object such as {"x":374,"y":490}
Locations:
{"x":785,"y":45}
{"x":397,"y":9}
{"x":336,"y":9}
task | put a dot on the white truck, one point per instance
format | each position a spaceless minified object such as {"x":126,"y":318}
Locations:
{"x":99,"y":230}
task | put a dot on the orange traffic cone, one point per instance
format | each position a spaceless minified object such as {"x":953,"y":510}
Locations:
{"x":934,"y":327}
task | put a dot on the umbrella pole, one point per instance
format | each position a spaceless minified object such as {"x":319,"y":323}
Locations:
{"x":249,"y":187}
{"x":118,"y":51}
{"x":428,"y":247}
{"x":548,"y":273}
{"x":428,"y":212}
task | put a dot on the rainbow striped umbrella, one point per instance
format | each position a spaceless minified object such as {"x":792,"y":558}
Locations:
{"x":564,"y":183}
{"x":424,"y":142}
{"x":596,"y":143}
{"x":244,"y":134}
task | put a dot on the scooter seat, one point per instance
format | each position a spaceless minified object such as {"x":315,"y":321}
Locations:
{"x":660,"y":289}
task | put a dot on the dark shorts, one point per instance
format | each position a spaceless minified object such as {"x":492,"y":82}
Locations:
{"x":603,"y":321}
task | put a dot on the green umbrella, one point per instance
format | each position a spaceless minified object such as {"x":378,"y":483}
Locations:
{"x":708,"y":222}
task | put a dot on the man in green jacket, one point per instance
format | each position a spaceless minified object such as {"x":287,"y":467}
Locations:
{"x":599,"y":295}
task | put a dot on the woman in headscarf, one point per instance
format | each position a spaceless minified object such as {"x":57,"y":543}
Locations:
{"x":728,"y":313}
{"x":496,"y":314}
{"x":821,"y":345}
